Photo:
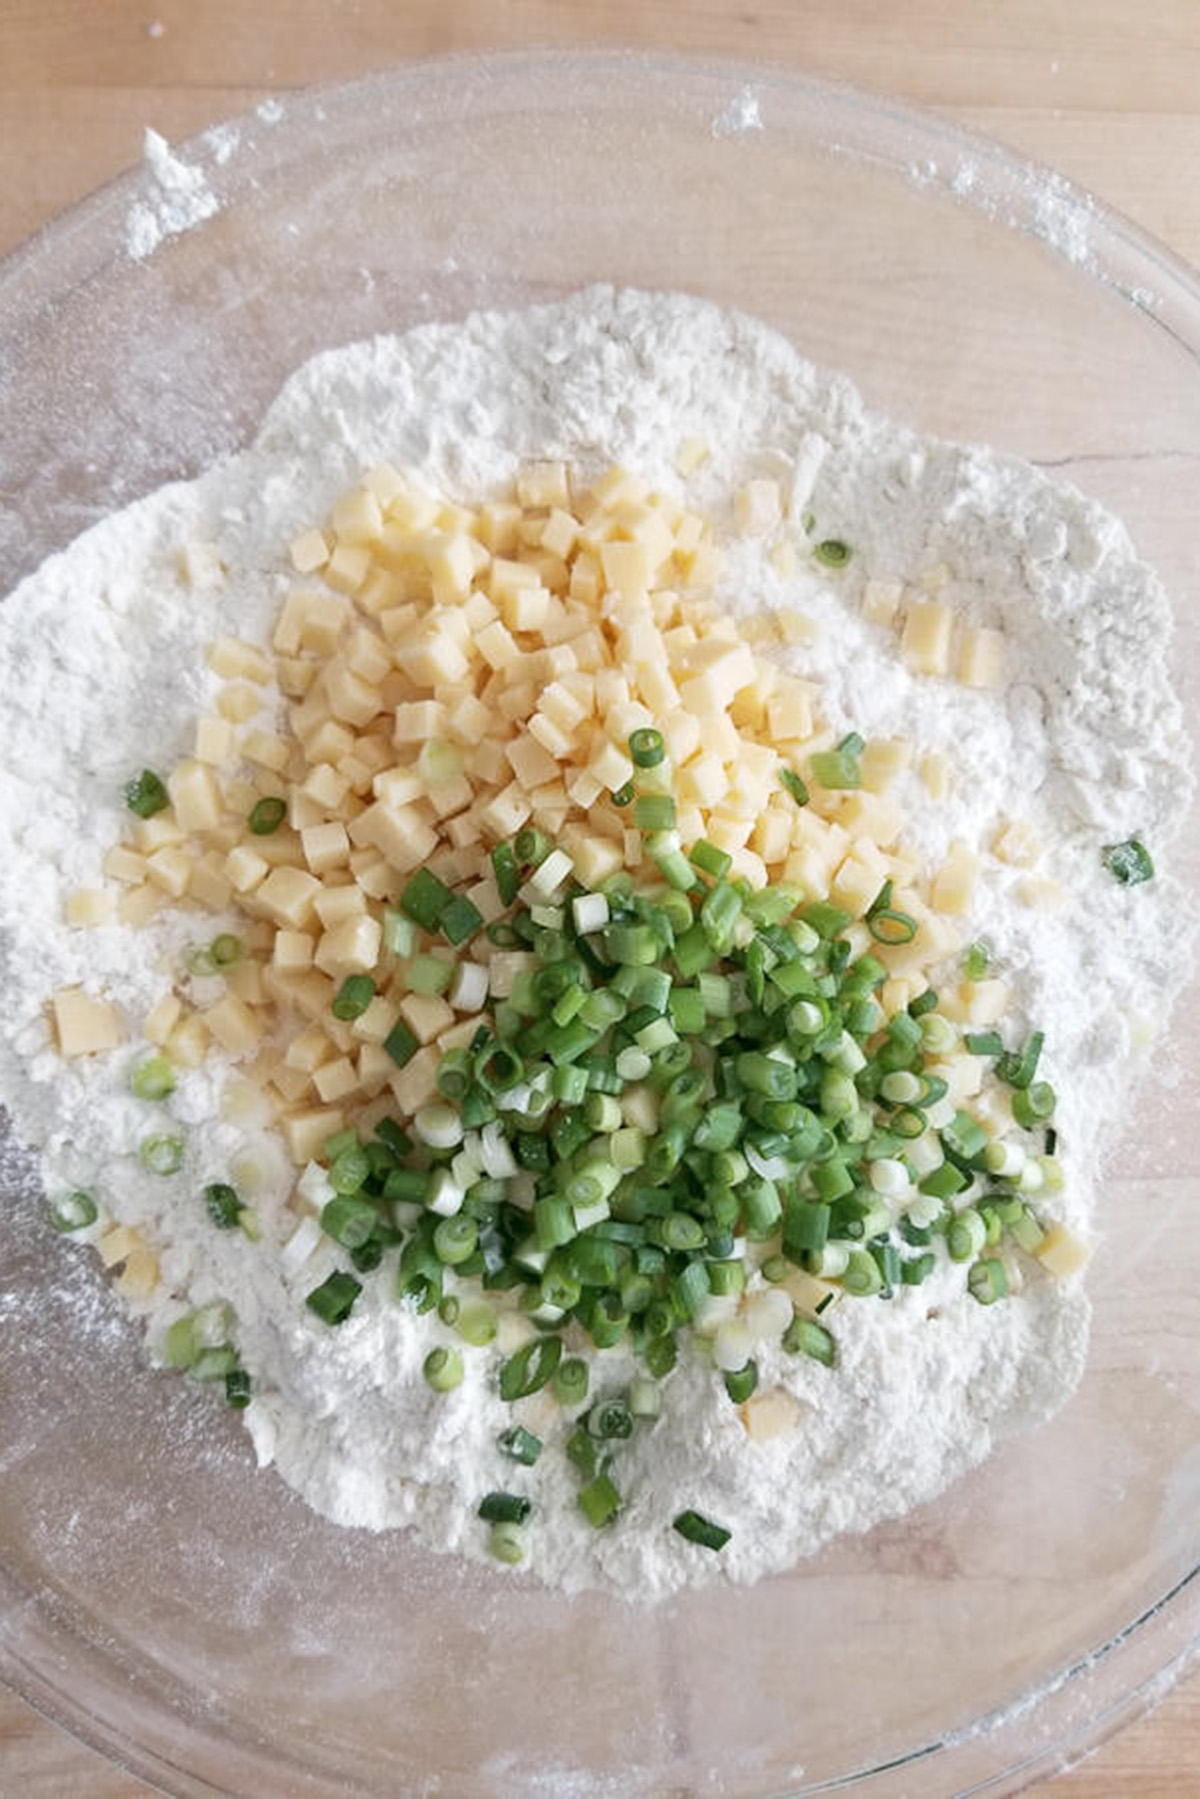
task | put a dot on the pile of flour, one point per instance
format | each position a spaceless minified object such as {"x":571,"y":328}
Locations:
{"x":104,"y":672}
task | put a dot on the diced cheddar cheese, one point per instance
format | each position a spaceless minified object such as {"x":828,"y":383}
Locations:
{"x":925,"y":640}
{"x":84,"y":1026}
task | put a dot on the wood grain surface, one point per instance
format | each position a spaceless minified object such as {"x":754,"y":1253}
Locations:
{"x":1105,"y":90}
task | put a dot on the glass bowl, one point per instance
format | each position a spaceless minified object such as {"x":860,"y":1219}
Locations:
{"x":190,"y":1616}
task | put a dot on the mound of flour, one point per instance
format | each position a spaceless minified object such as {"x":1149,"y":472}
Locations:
{"x":104,"y":671}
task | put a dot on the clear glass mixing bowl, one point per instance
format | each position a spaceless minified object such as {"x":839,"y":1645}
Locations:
{"x":189,"y":1615}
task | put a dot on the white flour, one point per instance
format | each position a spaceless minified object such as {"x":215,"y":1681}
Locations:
{"x":104,"y":670}
{"x":176,"y":196}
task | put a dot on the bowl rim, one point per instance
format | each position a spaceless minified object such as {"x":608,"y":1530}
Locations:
{"x":1120,"y":249}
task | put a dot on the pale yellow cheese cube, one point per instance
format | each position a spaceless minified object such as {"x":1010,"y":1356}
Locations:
{"x":162,"y":1019}
{"x":118,"y":1243}
{"x":414,"y":1085}
{"x":188,"y":1043}
{"x":1061,"y":1252}
{"x":426,"y":1015}
{"x":1017,"y":844}
{"x":287,"y":896}
{"x":238,"y":702}
{"x":306,"y":1133}
{"x":691,"y":453}
{"x":348,"y":567}
{"x":543,"y":484}
{"x":703,"y":781}
{"x":335,"y":1080}
{"x":123,"y":864}
{"x":497,"y":646}
{"x":597,"y":858}
{"x":385,"y":482}
{"x":307,"y":1050}
{"x":468,"y":720}
{"x":266,"y":749}
{"x":883,"y":761}
{"x":334,"y":905}
{"x":531,"y":764}
{"x":137,"y":906}
{"x":234,"y":1024}
{"x":357,"y":516}
{"x":84,"y":1026}
{"x":770,"y":1414}
{"x":506,"y":811}
{"x":170,"y":869}
{"x":234,"y":660}
{"x":881,"y":601}
{"x":1041,"y":893}
{"x":402,"y":833}
{"x":214,"y":739}
{"x":351,"y":947}
{"x":350,"y":698}
{"x":140,"y":1275}
{"x":292,"y":949}
{"x":757,"y":508}
{"x":935,"y":773}
{"x":981,"y":657}
{"x":628,"y":567}
{"x":245,"y":869}
{"x":953,"y":886}
{"x":309,"y":552}
{"x":88,"y":907}
{"x":325,"y":846}
{"x":416,"y":721}
{"x":195,"y":796}
{"x":681,"y":735}
{"x":925,"y":640}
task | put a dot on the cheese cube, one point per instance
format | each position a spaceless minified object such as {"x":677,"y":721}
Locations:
{"x":506,"y":811}
{"x":309,"y":552}
{"x":239,"y":702}
{"x":84,"y":1026}
{"x":234,"y":1025}
{"x":350,"y":698}
{"x":334,"y":905}
{"x":543,"y":484}
{"x":357,"y":516}
{"x":325,"y":846}
{"x":200,"y":565}
{"x":925,"y":640}
{"x":881,"y":602}
{"x":691,"y":453}
{"x":90,"y":906}
{"x":426,"y":1015}
{"x":981,"y":657}
{"x":351,"y":947}
{"x":306,"y":1133}
{"x":214,"y":739}
{"x":348,"y":567}
{"x":953,"y":886}
{"x":287,"y":895}
{"x":234,"y":660}
{"x":336,"y":1080}
{"x":245,"y":869}
{"x":171,"y":870}
{"x":195,"y":797}
{"x":757,"y":508}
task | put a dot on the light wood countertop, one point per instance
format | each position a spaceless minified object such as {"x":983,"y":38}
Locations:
{"x":1105,"y":91}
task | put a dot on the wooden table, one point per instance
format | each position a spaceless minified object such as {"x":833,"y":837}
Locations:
{"x":1107,"y":91}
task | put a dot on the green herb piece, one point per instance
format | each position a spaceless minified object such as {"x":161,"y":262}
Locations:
{"x":145,"y":794}
{"x":333,"y":1301}
{"x":267,"y":815}
{"x":699,"y":1529}
{"x":1128,"y":862}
